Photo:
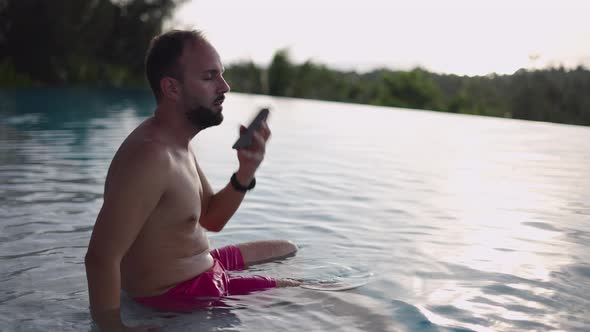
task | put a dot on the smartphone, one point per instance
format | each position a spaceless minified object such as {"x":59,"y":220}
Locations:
{"x":245,"y":139}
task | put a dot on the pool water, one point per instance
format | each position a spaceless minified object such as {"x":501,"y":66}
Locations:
{"x":465,"y":223}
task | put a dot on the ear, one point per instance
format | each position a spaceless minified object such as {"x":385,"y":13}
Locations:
{"x":170,"y":88}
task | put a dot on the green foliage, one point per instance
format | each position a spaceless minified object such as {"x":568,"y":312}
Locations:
{"x":280,"y":73}
{"x":73,"y":41}
{"x":246,"y":76}
{"x":554,"y":95}
{"x":9,"y":77}
{"x":408,"y":89}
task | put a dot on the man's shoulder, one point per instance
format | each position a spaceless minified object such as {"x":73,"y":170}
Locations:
{"x":141,"y":157}
{"x":143,"y":147}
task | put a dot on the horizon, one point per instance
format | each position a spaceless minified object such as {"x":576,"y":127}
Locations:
{"x":460,"y":37}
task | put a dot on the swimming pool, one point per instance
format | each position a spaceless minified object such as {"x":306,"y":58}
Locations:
{"x":467,"y":223}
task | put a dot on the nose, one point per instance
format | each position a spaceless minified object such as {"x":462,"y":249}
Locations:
{"x":223,"y":87}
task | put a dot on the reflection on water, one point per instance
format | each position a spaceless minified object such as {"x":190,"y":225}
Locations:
{"x":467,"y":223}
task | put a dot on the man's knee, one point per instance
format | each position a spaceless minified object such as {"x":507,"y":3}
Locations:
{"x":288,"y":247}
{"x":281,"y":248}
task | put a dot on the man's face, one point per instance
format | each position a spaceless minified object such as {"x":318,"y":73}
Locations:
{"x":203,"y":86}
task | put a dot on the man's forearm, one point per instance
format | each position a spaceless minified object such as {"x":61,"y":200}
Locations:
{"x":104,"y":284}
{"x":222,"y":207}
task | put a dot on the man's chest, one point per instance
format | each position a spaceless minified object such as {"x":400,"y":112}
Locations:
{"x":184,"y":191}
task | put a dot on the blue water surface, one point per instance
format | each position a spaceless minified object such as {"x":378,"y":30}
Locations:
{"x":467,"y":223}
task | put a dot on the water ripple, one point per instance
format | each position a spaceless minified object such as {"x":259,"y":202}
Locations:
{"x":468,"y":223}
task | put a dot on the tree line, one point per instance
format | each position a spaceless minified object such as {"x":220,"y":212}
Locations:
{"x":62,"y":42}
{"x":103,"y":42}
{"x":552,"y":95}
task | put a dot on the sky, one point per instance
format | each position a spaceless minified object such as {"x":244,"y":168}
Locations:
{"x":464,"y":37}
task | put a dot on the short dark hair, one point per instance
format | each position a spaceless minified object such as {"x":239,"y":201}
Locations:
{"x":162,"y":56}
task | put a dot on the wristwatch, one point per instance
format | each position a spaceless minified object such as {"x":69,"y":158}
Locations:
{"x":238,"y":187}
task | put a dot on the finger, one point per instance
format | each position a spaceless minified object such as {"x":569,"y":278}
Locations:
{"x":258,"y":143}
{"x":265,"y":130}
{"x":250,"y":155}
{"x":255,"y":142}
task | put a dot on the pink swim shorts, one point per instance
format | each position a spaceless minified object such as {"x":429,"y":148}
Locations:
{"x":210,"y":286}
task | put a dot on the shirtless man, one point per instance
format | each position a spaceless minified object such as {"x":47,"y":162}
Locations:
{"x":150,"y":235}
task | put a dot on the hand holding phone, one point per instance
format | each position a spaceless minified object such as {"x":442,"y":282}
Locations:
{"x":245,"y":138}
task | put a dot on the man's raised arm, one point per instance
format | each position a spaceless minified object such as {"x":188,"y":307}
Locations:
{"x":219,"y":208}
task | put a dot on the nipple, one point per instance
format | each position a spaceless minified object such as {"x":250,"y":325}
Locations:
{"x":193,"y":218}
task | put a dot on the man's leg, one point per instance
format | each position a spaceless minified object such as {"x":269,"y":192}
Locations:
{"x":263,"y":251}
{"x":251,"y":253}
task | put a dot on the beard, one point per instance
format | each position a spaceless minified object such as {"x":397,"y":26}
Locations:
{"x":203,"y":117}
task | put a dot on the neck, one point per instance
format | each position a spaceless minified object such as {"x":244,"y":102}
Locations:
{"x":173,"y":124}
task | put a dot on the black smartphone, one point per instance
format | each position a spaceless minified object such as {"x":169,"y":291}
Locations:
{"x":245,"y":139}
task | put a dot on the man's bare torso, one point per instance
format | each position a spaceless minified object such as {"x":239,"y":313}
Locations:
{"x":172,"y":246}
